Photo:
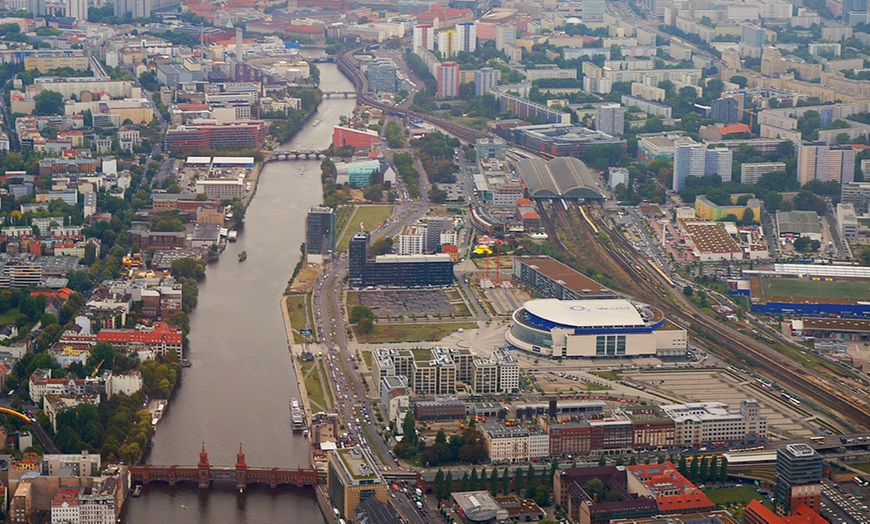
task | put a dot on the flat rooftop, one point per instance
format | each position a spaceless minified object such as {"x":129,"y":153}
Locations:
{"x":357,"y":464}
{"x":710,"y":237}
{"x":804,"y":222}
{"x":555,"y":270}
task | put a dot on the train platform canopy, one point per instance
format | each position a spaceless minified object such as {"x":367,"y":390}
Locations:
{"x":198,"y":161}
{"x":562,"y":177}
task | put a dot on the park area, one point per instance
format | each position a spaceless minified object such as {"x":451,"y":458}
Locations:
{"x":734,"y":500}
{"x":350,"y":217}
{"x":815,"y":289}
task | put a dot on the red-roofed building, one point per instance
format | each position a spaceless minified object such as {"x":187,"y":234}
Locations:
{"x":355,"y":138}
{"x":312,"y":33}
{"x":673,"y":492}
{"x":525,"y":213}
{"x":159,"y":339}
{"x":451,"y":250}
{"x":757,"y":513}
{"x":62,"y":293}
{"x":440,"y":17}
{"x":734,"y":128}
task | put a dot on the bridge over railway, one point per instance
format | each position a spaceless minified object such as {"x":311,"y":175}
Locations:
{"x":242,"y":476}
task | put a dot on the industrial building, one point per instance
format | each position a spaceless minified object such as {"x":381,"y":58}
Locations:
{"x":798,"y":224}
{"x":590,"y":328}
{"x":562,"y":177}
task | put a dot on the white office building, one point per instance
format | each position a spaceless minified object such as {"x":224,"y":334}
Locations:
{"x":689,"y":160}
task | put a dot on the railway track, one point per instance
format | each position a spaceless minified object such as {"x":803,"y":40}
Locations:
{"x":648,"y":286}
{"x":346,"y":66}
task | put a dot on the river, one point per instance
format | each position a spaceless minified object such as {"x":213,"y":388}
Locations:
{"x":241,"y":381}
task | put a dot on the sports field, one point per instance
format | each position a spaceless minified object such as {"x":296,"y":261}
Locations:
{"x":809,"y":289}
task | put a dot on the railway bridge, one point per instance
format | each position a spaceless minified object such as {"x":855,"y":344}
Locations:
{"x":203,"y":474}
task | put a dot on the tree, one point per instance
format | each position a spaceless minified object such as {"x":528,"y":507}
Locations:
{"x":713,"y":470}
{"x":493,"y":482}
{"x":472,"y":480}
{"x":359,"y":312}
{"x":188,"y":268}
{"x":409,"y":429}
{"x":102,"y":354}
{"x":542,"y":495}
{"x":772,"y":200}
{"x":688,"y":291}
{"x":505,"y":481}
{"x":748,"y":217}
{"x":682,"y":467}
{"x":703,"y":469}
{"x":90,"y":254}
{"x":381,"y":246}
{"x":464,"y":482}
{"x":693,"y":469}
{"x":366,"y":326}
{"x":518,"y":479}
{"x":804,"y":244}
{"x":374,"y":193}
{"x":723,"y":470}
{"x":438,"y":484}
{"x":448,"y":485}
{"x":48,"y":103}
{"x":739,"y":80}
{"x":865,"y":256}
{"x":602,"y":460}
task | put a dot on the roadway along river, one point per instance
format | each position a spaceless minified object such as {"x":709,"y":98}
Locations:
{"x":241,"y":382}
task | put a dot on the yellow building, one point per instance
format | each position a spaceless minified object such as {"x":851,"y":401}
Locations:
{"x":707,"y":210}
{"x":352,"y":478}
{"x":48,"y":63}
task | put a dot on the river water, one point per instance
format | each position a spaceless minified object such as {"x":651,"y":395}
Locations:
{"x":242,"y":379}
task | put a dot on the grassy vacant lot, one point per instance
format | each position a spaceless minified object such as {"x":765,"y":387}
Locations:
{"x":9,"y":317}
{"x":791,"y":287}
{"x":410,"y":332}
{"x":370,"y":216}
{"x":735,"y":499}
{"x":863,"y":466}
{"x":605,"y":374}
{"x":297,"y":308}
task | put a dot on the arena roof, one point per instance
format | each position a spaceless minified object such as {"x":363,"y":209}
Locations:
{"x":599,"y":313}
{"x":562,"y":177}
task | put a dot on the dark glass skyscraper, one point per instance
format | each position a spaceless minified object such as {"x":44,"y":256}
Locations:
{"x":798,"y":478}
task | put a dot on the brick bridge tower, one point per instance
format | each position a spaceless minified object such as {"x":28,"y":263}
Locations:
{"x":241,"y":470}
{"x":204,"y":469}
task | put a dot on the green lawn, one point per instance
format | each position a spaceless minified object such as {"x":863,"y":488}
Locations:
{"x":297,"y":309}
{"x":410,"y":332}
{"x":312,"y":386}
{"x":369,"y":216}
{"x":367,"y":357}
{"x":863,"y":466}
{"x":10,"y":316}
{"x":735,"y":499}
{"x":792,"y":287}
{"x":605,"y":374}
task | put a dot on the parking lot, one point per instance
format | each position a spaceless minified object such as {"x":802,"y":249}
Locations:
{"x":418,"y":302}
{"x":714,"y":385}
{"x":840,"y":506}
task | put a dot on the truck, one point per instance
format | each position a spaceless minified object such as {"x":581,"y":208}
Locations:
{"x":418,"y":492}
{"x":419,"y":505}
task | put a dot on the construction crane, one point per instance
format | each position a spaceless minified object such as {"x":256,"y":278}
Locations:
{"x":97,"y":369}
